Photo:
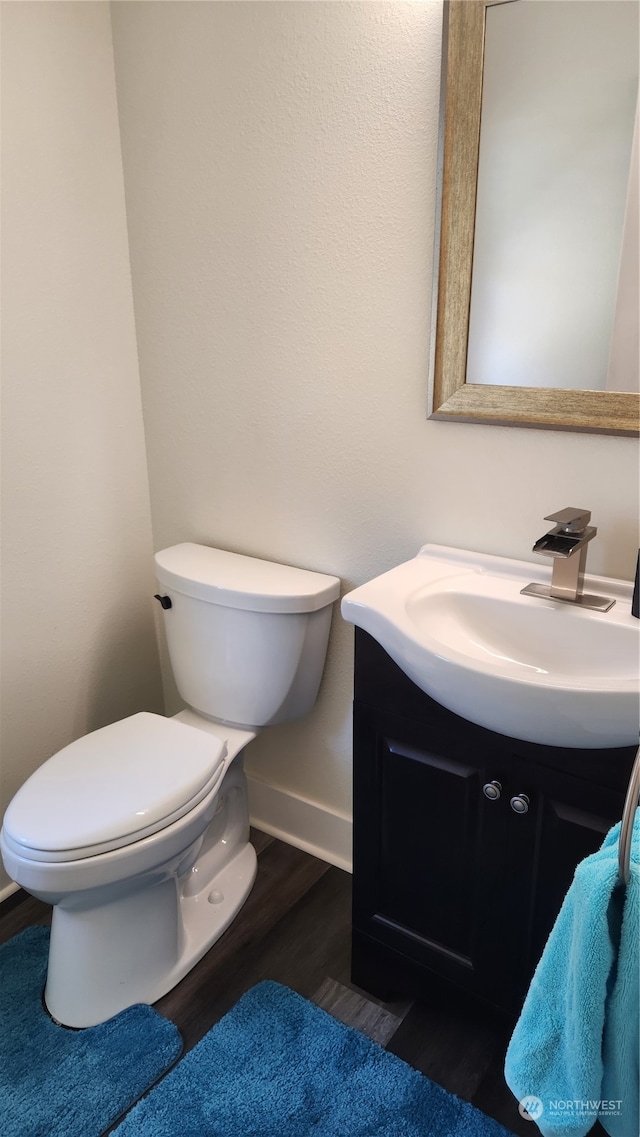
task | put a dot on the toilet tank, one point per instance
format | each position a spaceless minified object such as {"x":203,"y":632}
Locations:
{"x":247,"y":638}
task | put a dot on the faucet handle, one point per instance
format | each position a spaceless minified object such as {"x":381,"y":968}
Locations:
{"x":571,"y":520}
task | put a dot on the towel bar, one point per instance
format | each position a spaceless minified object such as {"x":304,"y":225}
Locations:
{"x":628,"y":817}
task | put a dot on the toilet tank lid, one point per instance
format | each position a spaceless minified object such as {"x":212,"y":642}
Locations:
{"x":236,"y":581}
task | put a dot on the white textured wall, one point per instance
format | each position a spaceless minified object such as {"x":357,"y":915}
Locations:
{"x":78,"y":647}
{"x":280,"y":171}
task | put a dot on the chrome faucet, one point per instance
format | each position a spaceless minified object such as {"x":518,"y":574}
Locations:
{"x":567,"y":544}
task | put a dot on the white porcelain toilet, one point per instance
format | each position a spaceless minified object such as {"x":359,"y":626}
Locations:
{"x":138,"y":833}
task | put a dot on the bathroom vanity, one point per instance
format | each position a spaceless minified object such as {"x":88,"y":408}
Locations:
{"x":465,"y":840}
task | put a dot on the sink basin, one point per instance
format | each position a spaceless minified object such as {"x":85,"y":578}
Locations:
{"x":536,"y":669}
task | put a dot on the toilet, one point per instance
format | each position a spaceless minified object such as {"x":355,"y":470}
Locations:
{"x":138,"y":833}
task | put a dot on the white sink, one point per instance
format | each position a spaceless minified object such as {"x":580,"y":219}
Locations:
{"x":540,"y":670}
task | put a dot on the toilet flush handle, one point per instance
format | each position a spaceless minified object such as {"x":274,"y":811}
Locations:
{"x":165,"y":601}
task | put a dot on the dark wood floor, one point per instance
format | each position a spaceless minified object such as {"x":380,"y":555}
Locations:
{"x":295,"y":929}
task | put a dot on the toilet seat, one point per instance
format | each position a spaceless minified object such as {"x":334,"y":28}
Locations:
{"x":112,"y":788}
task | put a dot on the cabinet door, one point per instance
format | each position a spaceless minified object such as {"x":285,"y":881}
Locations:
{"x":567,"y":821}
{"x":428,"y":850}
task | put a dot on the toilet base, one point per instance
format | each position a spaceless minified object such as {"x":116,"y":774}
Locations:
{"x":96,"y":970}
{"x":132,"y":940}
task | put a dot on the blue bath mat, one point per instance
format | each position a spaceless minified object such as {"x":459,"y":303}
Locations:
{"x":278,"y":1066}
{"x":56,"y":1082}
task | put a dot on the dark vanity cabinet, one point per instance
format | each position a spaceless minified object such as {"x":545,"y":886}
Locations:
{"x":465,"y":841}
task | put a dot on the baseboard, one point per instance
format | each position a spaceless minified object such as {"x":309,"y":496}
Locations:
{"x":300,"y":822}
{"x":8,"y":891}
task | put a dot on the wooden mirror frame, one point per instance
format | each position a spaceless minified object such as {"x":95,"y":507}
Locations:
{"x":599,"y":412}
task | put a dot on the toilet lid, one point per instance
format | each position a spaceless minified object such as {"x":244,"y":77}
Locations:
{"x":112,"y":787}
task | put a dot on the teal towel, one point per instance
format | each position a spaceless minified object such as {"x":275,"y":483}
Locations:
{"x":575,"y":1046}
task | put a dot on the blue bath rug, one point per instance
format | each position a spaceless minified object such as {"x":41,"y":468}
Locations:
{"x":278,"y":1066}
{"x":56,"y":1082}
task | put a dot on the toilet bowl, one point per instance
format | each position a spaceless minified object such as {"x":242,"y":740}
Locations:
{"x":138,"y":833}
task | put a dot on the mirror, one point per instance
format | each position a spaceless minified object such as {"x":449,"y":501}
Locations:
{"x":473,"y":297}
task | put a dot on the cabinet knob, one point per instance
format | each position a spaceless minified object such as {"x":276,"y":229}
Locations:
{"x":492,"y":790}
{"x":520,"y":803}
